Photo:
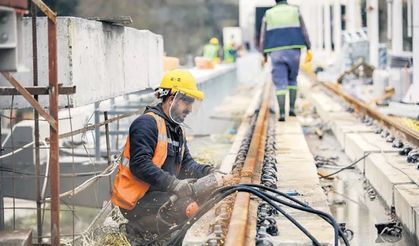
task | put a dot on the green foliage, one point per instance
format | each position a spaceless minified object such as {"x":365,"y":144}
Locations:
{"x":63,"y":7}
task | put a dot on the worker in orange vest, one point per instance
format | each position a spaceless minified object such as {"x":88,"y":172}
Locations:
{"x":156,"y":163}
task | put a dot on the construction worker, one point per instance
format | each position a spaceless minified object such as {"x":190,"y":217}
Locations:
{"x":212,"y":50}
{"x":230,"y":53}
{"x":283,"y":35}
{"x":156,"y":163}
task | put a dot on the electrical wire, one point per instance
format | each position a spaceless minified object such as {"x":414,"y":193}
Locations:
{"x":346,"y":167}
{"x":251,"y":188}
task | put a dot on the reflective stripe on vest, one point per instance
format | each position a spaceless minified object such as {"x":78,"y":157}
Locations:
{"x":127,"y":189}
{"x":283,"y":28}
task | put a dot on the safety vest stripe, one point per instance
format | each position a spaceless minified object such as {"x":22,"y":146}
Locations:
{"x":279,"y":26}
{"x":125,"y":161}
{"x":285,"y":48}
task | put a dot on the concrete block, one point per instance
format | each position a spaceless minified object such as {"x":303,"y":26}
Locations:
{"x":325,"y":104}
{"x":406,"y":199}
{"x":358,"y":144}
{"x":384,"y":177}
{"x":297,"y":172}
{"x":342,"y":127}
{"x":16,"y":238}
{"x":101,"y":60}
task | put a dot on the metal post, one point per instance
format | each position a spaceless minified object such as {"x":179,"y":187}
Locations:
{"x":36,"y":126}
{"x":327,"y":27}
{"x":1,"y":185}
{"x":337,"y":26}
{"x":54,"y":144}
{"x":373,"y":32}
{"x":416,"y":49}
{"x":108,"y":147}
{"x":397,"y":33}
{"x":97,"y":131}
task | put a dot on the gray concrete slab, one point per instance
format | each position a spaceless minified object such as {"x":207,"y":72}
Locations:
{"x":406,"y":199}
{"x":297,"y":172}
{"x":16,"y":238}
{"x":358,"y":144}
{"x":384,"y":177}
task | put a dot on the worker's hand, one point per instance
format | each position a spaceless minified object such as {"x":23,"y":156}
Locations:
{"x":265,"y":59}
{"x":181,"y":188}
{"x":309,"y":56}
{"x":224,"y":179}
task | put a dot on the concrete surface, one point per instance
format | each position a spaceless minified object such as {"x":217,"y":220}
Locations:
{"x":384,"y":177}
{"x":297,"y":172}
{"x":101,"y":60}
{"x":16,"y":238}
{"x":358,"y":144}
{"x":406,"y":199}
{"x":391,"y":176}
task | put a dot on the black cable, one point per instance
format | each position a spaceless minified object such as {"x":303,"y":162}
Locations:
{"x":302,"y":204}
{"x":347,"y":167}
{"x":233,"y":189}
{"x":304,"y":208}
{"x":221,"y":193}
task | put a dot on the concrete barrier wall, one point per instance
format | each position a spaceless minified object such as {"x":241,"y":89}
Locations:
{"x":217,"y":84}
{"x":101,"y":60}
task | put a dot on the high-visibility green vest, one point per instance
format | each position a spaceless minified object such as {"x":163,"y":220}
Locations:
{"x":230,"y":54}
{"x":283,"y":28}
{"x":211,"y":51}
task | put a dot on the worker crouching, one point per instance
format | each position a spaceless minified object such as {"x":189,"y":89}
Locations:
{"x":156,"y":166}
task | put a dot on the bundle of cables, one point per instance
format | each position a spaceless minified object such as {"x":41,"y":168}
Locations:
{"x":270,"y":195}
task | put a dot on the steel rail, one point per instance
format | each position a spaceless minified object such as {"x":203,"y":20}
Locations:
{"x":395,"y":127}
{"x":238,"y":226}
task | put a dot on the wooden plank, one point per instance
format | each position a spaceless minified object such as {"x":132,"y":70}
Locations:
{"x":30,"y":99}
{"x":37,"y":90}
{"x":46,"y":10}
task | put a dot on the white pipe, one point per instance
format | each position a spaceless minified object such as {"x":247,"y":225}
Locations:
{"x":389,"y":20}
{"x":319,"y":25}
{"x":327,"y":27}
{"x":373,"y":32}
{"x":397,"y":33}
{"x":416,"y":51}
{"x":409,"y":19}
{"x":337,"y":25}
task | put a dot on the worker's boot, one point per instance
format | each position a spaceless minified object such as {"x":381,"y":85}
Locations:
{"x":293,"y":97}
{"x":281,"y":104}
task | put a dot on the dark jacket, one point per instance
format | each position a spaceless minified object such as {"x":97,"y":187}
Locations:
{"x":143,"y":140}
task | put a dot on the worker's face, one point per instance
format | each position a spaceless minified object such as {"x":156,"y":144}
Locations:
{"x":182,"y":106}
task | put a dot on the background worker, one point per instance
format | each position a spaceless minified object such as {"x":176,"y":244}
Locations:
{"x":213,"y":51}
{"x":156,"y":163}
{"x":283,"y":35}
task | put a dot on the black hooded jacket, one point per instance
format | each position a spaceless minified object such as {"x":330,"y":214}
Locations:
{"x":143,"y":139}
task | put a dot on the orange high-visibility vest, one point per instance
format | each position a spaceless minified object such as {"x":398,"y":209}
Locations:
{"x":128,"y":189}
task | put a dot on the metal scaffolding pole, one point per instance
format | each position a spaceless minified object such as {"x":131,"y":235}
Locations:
{"x":36,"y":125}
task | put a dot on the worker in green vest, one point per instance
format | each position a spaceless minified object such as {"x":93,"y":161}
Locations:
{"x":283,"y":35}
{"x":230,"y":53}
{"x":212,"y":50}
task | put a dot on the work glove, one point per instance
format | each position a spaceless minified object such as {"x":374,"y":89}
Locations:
{"x":309,"y":56}
{"x":181,"y":188}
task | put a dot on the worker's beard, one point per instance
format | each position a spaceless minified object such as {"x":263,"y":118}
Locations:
{"x":177,"y":114}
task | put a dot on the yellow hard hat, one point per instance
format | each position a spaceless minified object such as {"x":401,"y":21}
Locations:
{"x":214,"y":41}
{"x":183,"y":81}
